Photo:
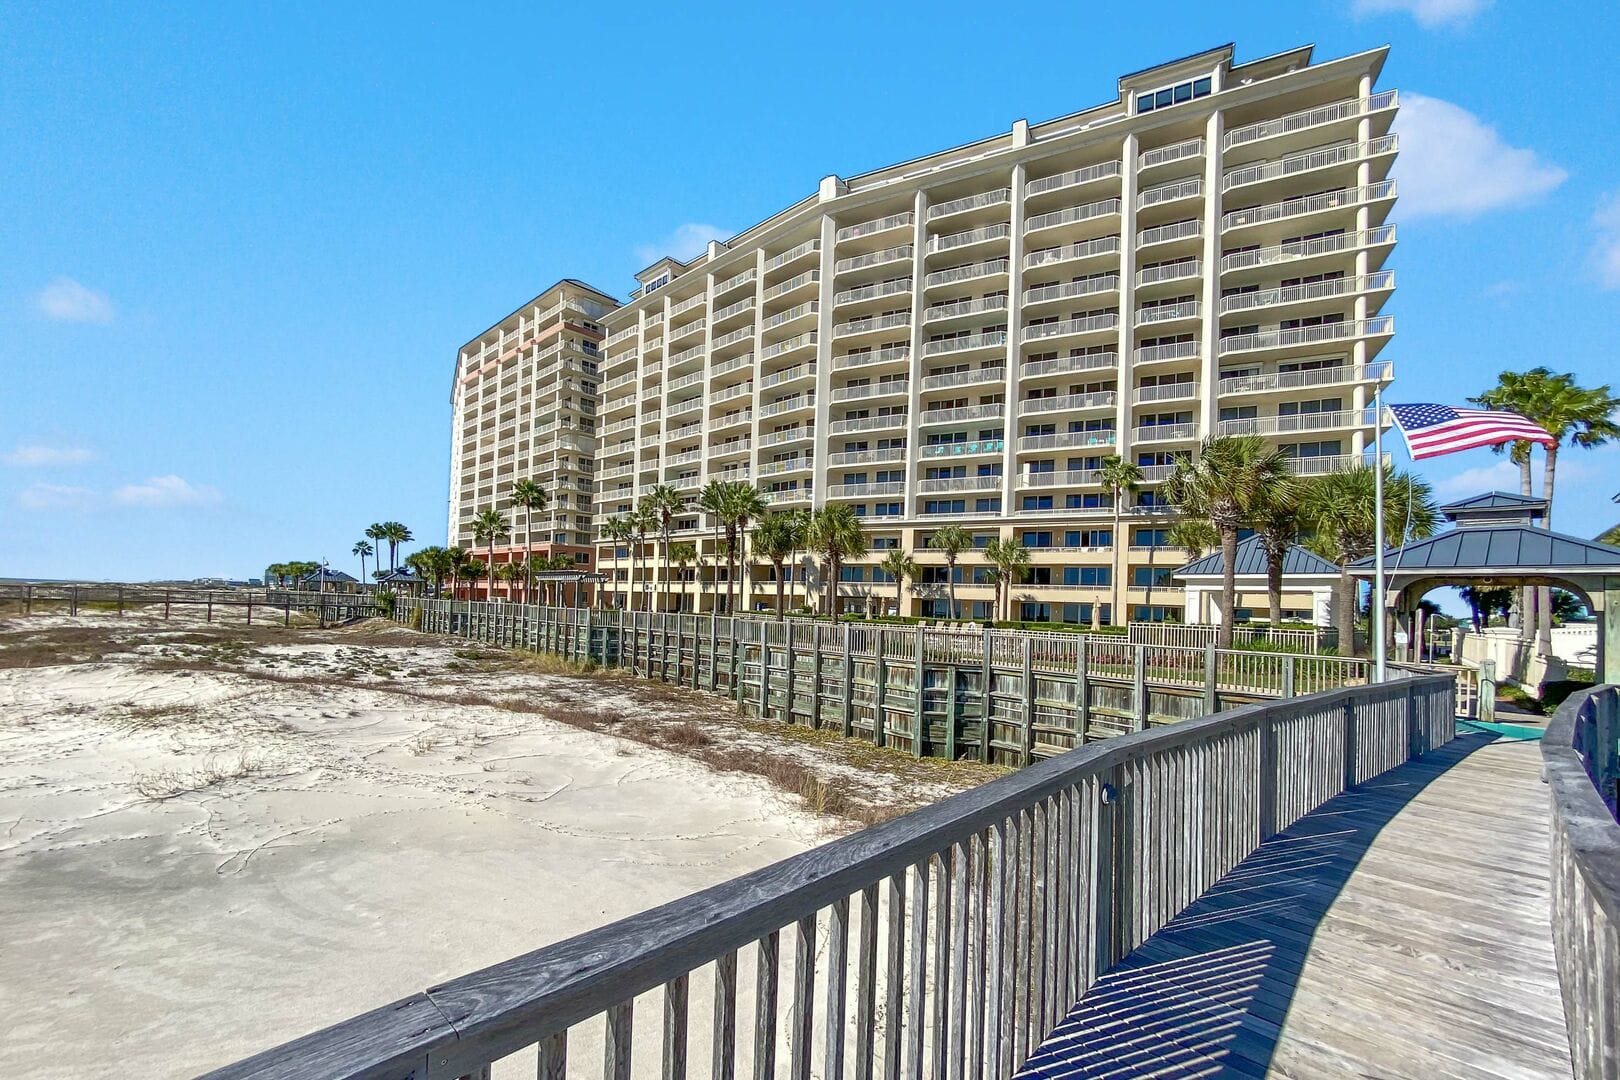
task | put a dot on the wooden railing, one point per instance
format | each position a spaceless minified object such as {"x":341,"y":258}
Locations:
{"x":948,"y":943}
{"x":118,"y":599}
{"x":1581,"y":753}
{"x":1002,"y":696}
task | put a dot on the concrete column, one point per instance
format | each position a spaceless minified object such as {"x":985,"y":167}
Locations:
{"x":915,"y":463}
{"x":1120,"y":555}
{"x":1209,"y":372}
{"x":824,"y":345}
{"x":1015,"y":327}
{"x":1360,"y":398}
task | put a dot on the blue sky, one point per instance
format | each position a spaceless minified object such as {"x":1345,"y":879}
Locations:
{"x":238,"y":248}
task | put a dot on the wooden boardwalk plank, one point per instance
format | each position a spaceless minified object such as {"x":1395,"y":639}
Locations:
{"x":1401,"y":930}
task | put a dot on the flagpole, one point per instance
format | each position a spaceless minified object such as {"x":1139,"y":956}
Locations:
{"x":1376,"y":623}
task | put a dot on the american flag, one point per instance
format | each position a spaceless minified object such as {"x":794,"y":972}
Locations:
{"x":1432,"y":430}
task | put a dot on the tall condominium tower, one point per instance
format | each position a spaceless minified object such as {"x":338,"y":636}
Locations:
{"x":964,"y":338}
{"x":524,"y":405}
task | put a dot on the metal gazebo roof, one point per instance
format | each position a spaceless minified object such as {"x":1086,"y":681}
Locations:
{"x":1251,"y":562}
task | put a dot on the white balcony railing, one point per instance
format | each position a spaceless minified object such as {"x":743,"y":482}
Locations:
{"x":1164,"y":155}
{"x":1173,"y":271}
{"x":988,"y":482}
{"x":1102,"y":399}
{"x":1316,"y":290}
{"x":952,"y":241}
{"x":970,"y":202}
{"x":1305,"y":249}
{"x":971,"y":272}
{"x":736,"y":281}
{"x":1333,"y":375}
{"x":1175,"y":230}
{"x":694,"y":327}
{"x":1063,"y":365}
{"x":964,"y":414}
{"x":687,"y":305}
{"x":965,"y":343}
{"x":745,"y":304}
{"x":1305,"y":205}
{"x":1068,"y":290}
{"x":965,"y":448}
{"x":882,"y":422}
{"x":899,"y":253}
{"x":875,"y":356}
{"x":792,"y":403}
{"x":858,"y":491}
{"x":799,"y":251}
{"x":862,"y":391}
{"x":1064,"y":440}
{"x":867,"y":457}
{"x":796,"y":433}
{"x":1309,"y":335}
{"x":993,"y":374}
{"x":1295,"y":423}
{"x":726,"y":367}
{"x":1190,"y":188}
{"x":798,"y":311}
{"x":1103,"y":170}
{"x":1070,"y":215}
{"x":798,"y":341}
{"x":1085,"y":249}
{"x":877,"y":225}
{"x":797,"y":281}
{"x":1170,"y":350}
{"x":966,"y":306}
{"x":1164,"y":432}
{"x":1161,"y":313}
{"x":873,"y":291}
{"x":1178,"y":391}
{"x":787,"y":375}
{"x":872,"y":323}
{"x":1065,"y":327}
{"x":1309,"y":161}
{"x":731,"y":337}
{"x":1306,"y":119}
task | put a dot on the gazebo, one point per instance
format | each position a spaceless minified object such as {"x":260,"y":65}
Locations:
{"x":1306,"y":578}
{"x":1496,"y":543}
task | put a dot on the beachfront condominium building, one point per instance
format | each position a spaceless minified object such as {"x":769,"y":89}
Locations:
{"x":524,"y":406}
{"x":963,"y":339}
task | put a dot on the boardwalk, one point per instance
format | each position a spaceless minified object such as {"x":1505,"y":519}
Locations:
{"x":1399,"y":931}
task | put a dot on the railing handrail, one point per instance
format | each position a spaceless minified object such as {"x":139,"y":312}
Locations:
{"x":466,"y":1022}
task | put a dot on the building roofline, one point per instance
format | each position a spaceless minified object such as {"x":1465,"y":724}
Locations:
{"x":1229,"y":49}
{"x":559,"y":283}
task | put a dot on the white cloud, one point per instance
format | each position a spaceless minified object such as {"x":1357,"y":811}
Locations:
{"x":686,"y":242}
{"x":163,"y":491}
{"x":65,"y":300}
{"x":38,"y":456}
{"x":55,"y":497}
{"x":1454,"y":164}
{"x":1429,"y":13}
{"x":1500,"y":475}
{"x":1606,"y":249}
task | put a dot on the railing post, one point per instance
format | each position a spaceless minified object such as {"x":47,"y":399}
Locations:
{"x":1111,"y":874}
{"x":917,"y":698}
{"x":714,"y":650}
{"x":1486,"y":691}
{"x":1414,"y":725}
{"x":1352,"y":743}
{"x":1029,"y":702}
{"x":849,"y":687}
{"x":1082,"y":695}
{"x":984,"y":700}
{"x":1211,"y":668}
{"x":1287,"y":677}
{"x":879,"y":691}
{"x":1266,"y":786}
{"x":792,"y":659}
{"x":1139,"y":691}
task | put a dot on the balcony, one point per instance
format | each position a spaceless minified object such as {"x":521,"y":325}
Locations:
{"x":1103,"y":399}
{"x":867,"y":457}
{"x":622,"y":335}
{"x":790,"y":315}
{"x":677,"y":359}
{"x":1165,"y":155}
{"x":954,"y":309}
{"x":1327,"y":463}
{"x":1090,"y":174}
{"x":1065,"y":440}
{"x":970,"y":238}
{"x":736,"y":282}
{"x":1381,"y":326}
{"x":792,"y":284}
{"x":1296,"y":250}
{"x":690,"y":405}
{"x":1094,"y":285}
{"x":683,"y":459}
{"x":876,"y":225}
{"x":730,"y":420}
{"x":1180,"y":270}
{"x":1067,"y":478}
{"x":686,"y":305}
{"x":1310,"y":161}
{"x":726,"y":367}
{"x":1306,"y":205}
{"x":796,"y":463}
{"x":967,"y":448}
{"x":1383,"y":281}
{"x":684,"y":381}
{"x":993,"y":374}
{"x":966,"y":343}
{"x":873,"y":292}
{"x":744,"y":305}
{"x":780,"y":348}
{"x":872,"y":324}
{"x":730,"y":448}
{"x":901,"y":253}
{"x":1165,"y":313}
{"x":998,"y":197}
{"x":971,"y":272}
{"x":1179,"y":391}
{"x":884,"y":422}
{"x":1156,"y":433}
{"x":863,"y":391}
{"x":1175,"y":230}
{"x":959,"y":483}
{"x":694,"y":327}
{"x":1336,"y":375}
{"x":964,"y":414}
{"x":1085,"y":249}
{"x":1307,"y":119}
{"x":1064,"y":365}
{"x":793,"y":254}
{"x":1295,"y":423}
{"x":897,"y":354}
{"x":787,"y":375}
{"x":1174,"y":191}
{"x":796,"y":433}
{"x":742,"y":333}
{"x":1089,"y":324}
{"x":1072,"y":214}
{"x":1170,"y":350}
{"x":860,"y":491}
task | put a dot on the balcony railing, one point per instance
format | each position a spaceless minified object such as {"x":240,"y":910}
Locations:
{"x":1180,"y":189}
{"x":1103,"y":170}
{"x":872,"y":323}
{"x":964,"y":414}
{"x":952,"y":241}
{"x":1336,"y":375}
{"x":776,"y":262}
{"x":731,"y":392}
{"x":1164,"y":155}
{"x":676,"y":359}
{"x":959,"y":483}
{"x":792,"y":434}
{"x":1306,"y":119}
{"x":1296,"y":422}
{"x":1175,"y":230}
{"x":1170,"y":350}
{"x":970,"y":202}
{"x":1063,"y":365}
{"x":731,"y":337}
{"x":1382,"y":281}
{"x":1164,"y":432}
{"x":1180,"y":391}
{"x":736,"y":281}
{"x":745,"y":304}
{"x":798,"y":341}
{"x":965,"y":343}
{"x":889,"y":388}
{"x":726,"y":367}
{"x":1102,"y":399}
{"x":1158,"y":313}
{"x":868,"y":423}
{"x":1070,"y":215}
{"x":877,"y":225}
{"x":1308,"y":335}
{"x":791,"y":314}
{"x":1102,"y":245}
{"x":693,"y":327}
{"x":1063,"y":440}
{"x":857,"y":491}
{"x":994,"y":374}
{"x":968,"y":306}
{"x":967,"y":448}
{"x":687,"y":305}
{"x":867,"y":457}
{"x":789,"y":404}
{"x":873,"y":292}
{"x":797,"y":281}
{"x":902,"y":252}
{"x":1311,"y":160}
{"x":1305,"y":249}
{"x":1327,"y":463}
{"x":1176,"y":271}
{"x":1065,"y":327}
{"x":971,"y":272}
{"x":1305,"y":205}
{"x":1068,"y":290}
{"x":786,"y":375}
{"x":876,"y":356}
{"x":1066,"y":478}
{"x":796,"y":463}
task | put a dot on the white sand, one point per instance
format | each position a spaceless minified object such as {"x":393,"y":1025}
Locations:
{"x":371,"y":844}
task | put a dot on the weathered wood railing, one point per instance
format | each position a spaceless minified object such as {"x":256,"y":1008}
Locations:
{"x":1003,"y":696}
{"x":947,"y":943}
{"x":1581,"y":752}
{"x":114,"y":598}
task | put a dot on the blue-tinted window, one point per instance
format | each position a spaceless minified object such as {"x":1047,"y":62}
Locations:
{"x":1037,"y":502}
{"x":1174,"y":95}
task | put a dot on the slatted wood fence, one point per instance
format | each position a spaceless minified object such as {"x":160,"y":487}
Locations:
{"x":76,"y":599}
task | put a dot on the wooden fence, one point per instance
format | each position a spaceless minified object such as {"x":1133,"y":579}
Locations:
{"x":947,"y":944}
{"x":1581,"y":753}
{"x":1002,"y":696}
{"x":119,"y":599}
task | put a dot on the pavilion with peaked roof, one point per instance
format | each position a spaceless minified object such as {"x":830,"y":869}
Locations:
{"x":1307,"y":578}
{"x":1497,"y":543}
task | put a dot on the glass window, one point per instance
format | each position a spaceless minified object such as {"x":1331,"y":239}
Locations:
{"x":1201,"y":87}
{"x":1163,"y":98}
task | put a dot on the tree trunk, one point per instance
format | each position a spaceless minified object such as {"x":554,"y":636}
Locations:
{"x":528,"y":555}
{"x":832,"y":586}
{"x":780,"y":584}
{"x":1345,"y":601}
{"x":670,"y":592}
{"x":1113,"y":576}
{"x":950,"y":586}
{"x":1274,"y":574}
{"x":1229,"y":544}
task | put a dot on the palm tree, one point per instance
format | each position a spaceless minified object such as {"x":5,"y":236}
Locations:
{"x":488,"y":526}
{"x":530,"y":496}
{"x":617,"y":531}
{"x":364,"y":550}
{"x":661,"y":504}
{"x":641,"y":522}
{"x":1278,"y":523}
{"x":952,"y":540}
{"x":744,"y":505}
{"x":835,"y":534}
{"x":396,"y":534}
{"x":775,"y":540}
{"x":1193,"y":536}
{"x":1227,"y":483}
{"x":712,"y":501}
{"x":456,"y":568}
{"x":1010,"y":558}
{"x":1340,"y":510}
{"x":899,"y":565}
{"x":684,"y":554}
{"x":1119,"y":478}
{"x":378,"y":535}
{"x":472,"y":570}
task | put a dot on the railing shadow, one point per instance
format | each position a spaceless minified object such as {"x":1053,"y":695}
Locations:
{"x":1207,"y":995}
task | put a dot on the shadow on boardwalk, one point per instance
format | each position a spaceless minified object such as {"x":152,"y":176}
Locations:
{"x":1209,"y":994}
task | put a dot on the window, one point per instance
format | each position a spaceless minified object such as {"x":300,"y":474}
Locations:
{"x":1156,"y":613}
{"x":1150,"y":537}
{"x":944,"y":506}
{"x":987,"y":506}
{"x":1156,"y":576}
{"x":1086,"y":502}
{"x":1088,"y":575}
{"x":1174,"y":95}
{"x":888,"y":509}
{"x":1089,"y":538}
{"x":886,"y":543}
{"x":1037,"y":502}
